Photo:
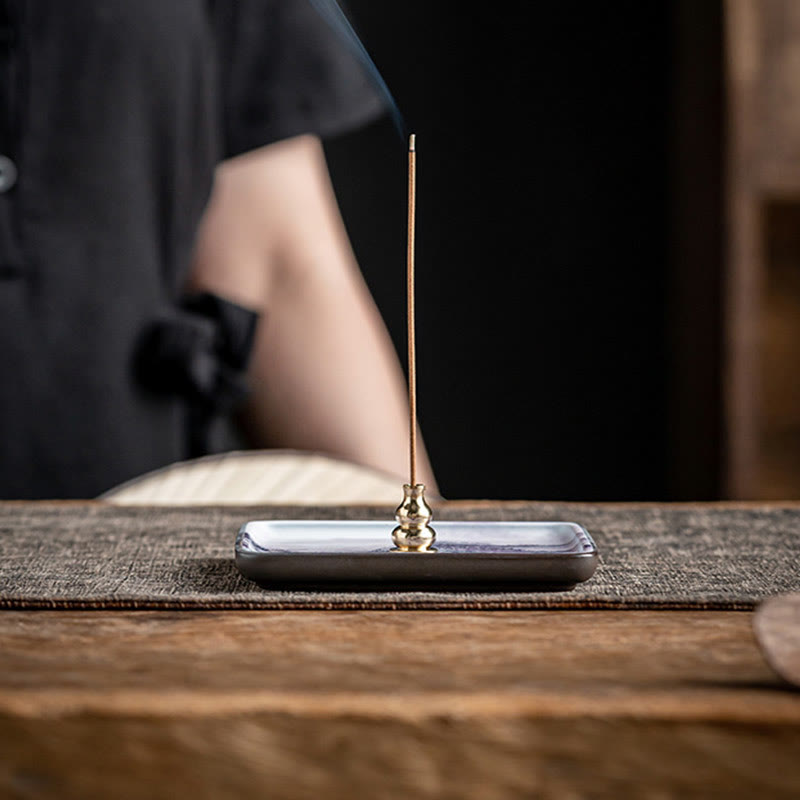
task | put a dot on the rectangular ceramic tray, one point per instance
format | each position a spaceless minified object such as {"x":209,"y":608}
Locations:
{"x":539,"y":555}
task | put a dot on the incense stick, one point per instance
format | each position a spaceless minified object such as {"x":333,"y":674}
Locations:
{"x":414,"y":532}
{"x":412,"y":347}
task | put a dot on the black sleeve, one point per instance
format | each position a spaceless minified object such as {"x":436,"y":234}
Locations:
{"x":284,"y":71}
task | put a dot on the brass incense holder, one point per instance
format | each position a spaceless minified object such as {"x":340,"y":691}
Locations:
{"x":414,"y":533}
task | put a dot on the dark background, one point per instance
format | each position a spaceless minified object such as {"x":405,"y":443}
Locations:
{"x":568,"y":224}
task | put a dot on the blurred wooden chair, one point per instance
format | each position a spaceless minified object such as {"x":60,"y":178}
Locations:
{"x":254,"y":477}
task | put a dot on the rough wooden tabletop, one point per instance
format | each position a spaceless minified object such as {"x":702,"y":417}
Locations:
{"x":382,"y":705}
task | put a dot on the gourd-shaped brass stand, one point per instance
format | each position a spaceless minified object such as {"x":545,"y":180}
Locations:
{"x":414,"y":532}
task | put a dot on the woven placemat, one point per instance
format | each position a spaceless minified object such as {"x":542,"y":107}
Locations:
{"x":91,"y":555}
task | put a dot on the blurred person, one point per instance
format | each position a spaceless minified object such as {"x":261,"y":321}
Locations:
{"x":171,"y":250}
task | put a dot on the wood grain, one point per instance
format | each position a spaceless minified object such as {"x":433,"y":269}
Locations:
{"x":762,"y":47}
{"x":744,"y":274}
{"x":382,"y":705}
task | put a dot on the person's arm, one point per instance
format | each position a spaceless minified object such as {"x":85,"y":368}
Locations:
{"x":324,"y":374}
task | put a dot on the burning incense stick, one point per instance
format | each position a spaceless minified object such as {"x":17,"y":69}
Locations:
{"x":411,"y":322}
{"x":414,"y":514}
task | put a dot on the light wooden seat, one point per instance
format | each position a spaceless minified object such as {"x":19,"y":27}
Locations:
{"x":260,"y":476}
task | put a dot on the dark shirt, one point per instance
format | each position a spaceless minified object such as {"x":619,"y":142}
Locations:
{"x":115,"y":114}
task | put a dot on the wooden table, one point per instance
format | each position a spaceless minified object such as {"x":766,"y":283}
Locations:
{"x":551,"y":704}
{"x":382,"y":704}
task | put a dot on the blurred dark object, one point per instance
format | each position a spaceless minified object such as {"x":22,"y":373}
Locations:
{"x":200,"y":350}
{"x":569,"y":241}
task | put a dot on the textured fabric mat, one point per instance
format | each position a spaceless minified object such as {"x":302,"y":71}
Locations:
{"x":91,"y":555}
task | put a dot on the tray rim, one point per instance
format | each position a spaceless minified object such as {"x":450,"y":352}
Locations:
{"x":592,"y":553}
